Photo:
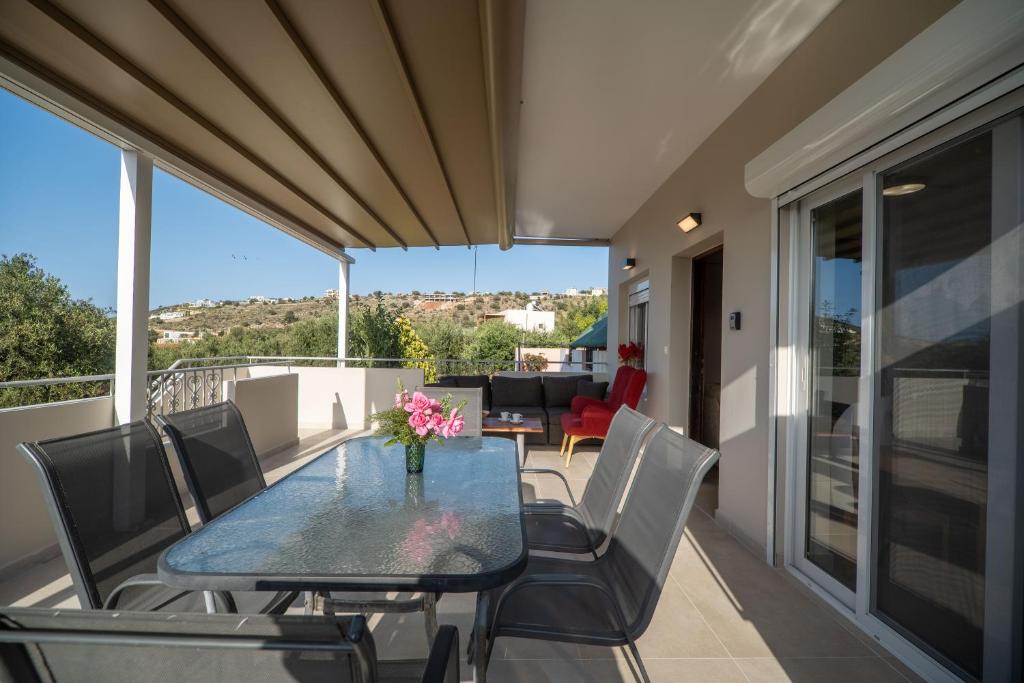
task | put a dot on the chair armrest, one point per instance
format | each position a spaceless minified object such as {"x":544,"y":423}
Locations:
{"x":542,"y":470}
{"x":443,"y":660}
{"x":136,"y":581}
{"x":578,"y":403}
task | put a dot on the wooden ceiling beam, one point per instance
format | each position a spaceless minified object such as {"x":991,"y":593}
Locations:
{"x":127,"y":66}
{"x":405,"y":74}
{"x":218,"y":61}
{"x":325,"y":81}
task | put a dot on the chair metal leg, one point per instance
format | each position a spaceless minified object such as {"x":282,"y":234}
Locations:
{"x":480,"y":654}
{"x":430,"y":616}
{"x":639,"y":662}
{"x":309,"y":604}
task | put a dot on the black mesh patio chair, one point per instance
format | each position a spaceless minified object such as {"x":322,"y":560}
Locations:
{"x":75,"y":645}
{"x":115,"y":508}
{"x":608,"y":601}
{"x":583,"y":527}
{"x":222,"y":470}
{"x":216,"y":455}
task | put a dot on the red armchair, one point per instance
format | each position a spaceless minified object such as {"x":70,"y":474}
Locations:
{"x":589,"y":418}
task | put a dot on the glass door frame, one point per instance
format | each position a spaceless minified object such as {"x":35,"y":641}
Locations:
{"x":803,"y":262}
{"x":1002,"y":630}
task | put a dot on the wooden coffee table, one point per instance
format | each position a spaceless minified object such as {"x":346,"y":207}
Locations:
{"x":529,"y":425}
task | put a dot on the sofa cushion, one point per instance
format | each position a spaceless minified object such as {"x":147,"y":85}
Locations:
{"x":517,"y":391}
{"x":444,"y":382}
{"x":590,"y":389}
{"x":558,"y":391}
{"x":474,"y":382}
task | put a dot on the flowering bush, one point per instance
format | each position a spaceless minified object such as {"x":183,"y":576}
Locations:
{"x":631,"y":354}
{"x":417,"y":418}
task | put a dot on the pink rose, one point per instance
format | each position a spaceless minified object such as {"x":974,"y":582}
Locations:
{"x":436,"y":421}
{"x":454,"y":426}
{"x":420,"y":402}
{"x":401,"y":398}
{"x":420,"y":422}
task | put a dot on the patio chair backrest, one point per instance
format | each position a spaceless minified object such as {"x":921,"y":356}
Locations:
{"x":113,"y":503}
{"x":473,"y":410}
{"x":216,"y":456}
{"x":90,"y":645}
{"x":647,"y":535}
{"x":607,"y":483}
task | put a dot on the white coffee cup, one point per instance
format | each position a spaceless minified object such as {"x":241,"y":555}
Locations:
{"x":517,"y":417}
{"x":504,"y":416}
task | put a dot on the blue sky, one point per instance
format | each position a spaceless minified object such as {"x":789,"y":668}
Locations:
{"x":58,"y":201}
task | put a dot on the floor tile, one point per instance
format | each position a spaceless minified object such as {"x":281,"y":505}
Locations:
{"x":666,"y":671}
{"x":814,"y":670}
{"x":677,"y":630}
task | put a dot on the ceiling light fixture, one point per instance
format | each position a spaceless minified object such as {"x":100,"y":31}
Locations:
{"x":629,"y":264}
{"x":689,"y":222}
{"x":902,"y":189}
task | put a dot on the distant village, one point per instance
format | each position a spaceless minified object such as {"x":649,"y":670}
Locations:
{"x":535,"y":312}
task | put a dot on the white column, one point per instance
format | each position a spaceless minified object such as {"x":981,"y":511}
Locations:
{"x":343,"y":309}
{"x":133,"y":286}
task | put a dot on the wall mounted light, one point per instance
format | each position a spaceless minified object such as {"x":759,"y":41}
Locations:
{"x":689,"y":222}
{"x":629,"y":264}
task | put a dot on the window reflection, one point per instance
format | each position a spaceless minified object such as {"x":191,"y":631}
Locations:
{"x":936,"y":290}
{"x":834,"y":463}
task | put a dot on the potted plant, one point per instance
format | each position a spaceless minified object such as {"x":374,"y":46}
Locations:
{"x":416,"y":419}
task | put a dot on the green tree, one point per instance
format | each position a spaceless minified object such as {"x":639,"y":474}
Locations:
{"x":44,"y":332}
{"x":313,"y":337}
{"x":413,"y":347}
{"x":372,"y":332}
{"x":495,"y":340}
{"x":579,"y":316}
{"x":445,"y":339}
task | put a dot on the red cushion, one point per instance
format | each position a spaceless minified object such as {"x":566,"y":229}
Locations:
{"x":626,"y":390}
{"x":594,"y":421}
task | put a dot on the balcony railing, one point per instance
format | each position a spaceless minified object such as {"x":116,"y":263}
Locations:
{"x":196,"y":382}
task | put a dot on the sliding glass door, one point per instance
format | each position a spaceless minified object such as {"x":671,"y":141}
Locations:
{"x":905,"y":441}
{"x":829,"y":470}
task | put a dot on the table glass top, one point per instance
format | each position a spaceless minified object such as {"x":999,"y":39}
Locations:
{"x":354,"y":512}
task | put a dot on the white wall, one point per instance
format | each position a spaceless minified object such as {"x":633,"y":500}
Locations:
{"x":25,"y":526}
{"x":270,"y":408}
{"x":854,"y":38}
{"x":343,"y":398}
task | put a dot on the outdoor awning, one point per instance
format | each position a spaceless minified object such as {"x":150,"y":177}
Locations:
{"x":352,"y":124}
{"x":594,"y":337}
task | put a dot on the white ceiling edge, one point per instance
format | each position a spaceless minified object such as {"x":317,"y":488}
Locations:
{"x":974,"y":43}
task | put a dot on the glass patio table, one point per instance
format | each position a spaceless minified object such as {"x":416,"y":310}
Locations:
{"x":353,"y":520}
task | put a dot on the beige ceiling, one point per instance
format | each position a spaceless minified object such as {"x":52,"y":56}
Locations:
{"x":616,"y":95}
{"x":362,"y":123}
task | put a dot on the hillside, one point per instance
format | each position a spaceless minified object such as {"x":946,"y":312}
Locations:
{"x":464,"y":310}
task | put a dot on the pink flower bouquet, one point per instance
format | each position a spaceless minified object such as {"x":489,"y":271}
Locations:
{"x":416,"y":419}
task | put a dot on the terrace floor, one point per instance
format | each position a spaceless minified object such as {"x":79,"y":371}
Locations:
{"x":724,"y":615}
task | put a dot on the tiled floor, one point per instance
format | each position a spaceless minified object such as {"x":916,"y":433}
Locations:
{"x":724,"y":615}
